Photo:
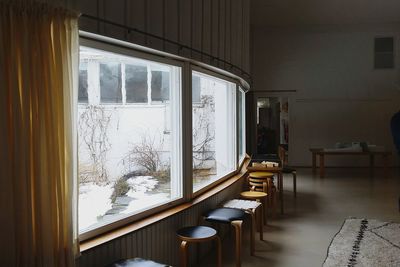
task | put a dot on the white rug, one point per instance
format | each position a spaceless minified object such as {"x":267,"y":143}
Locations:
{"x":365,"y":242}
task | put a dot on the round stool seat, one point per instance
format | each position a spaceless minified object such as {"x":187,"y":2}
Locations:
{"x":258,"y":180}
{"x":261,"y":174}
{"x":253,"y":194}
{"x":196,"y":233}
{"x":137,"y":262}
{"x":225,"y":215}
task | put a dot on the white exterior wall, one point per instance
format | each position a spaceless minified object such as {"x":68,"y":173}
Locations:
{"x":340,"y":96}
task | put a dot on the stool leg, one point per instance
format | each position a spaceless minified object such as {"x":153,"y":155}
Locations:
{"x":265,"y":210}
{"x":274,"y":200}
{"x":294,"y":184}
{"x":183,"y":252}
{"x":252,"y":232}
{"x":260,"y":221}
{"x":219,"y":253}
{"x":238,"y":233}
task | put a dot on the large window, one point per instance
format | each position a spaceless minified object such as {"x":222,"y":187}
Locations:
{"x":129,"y":148}
{"x":214,"y":131}
{"x":130,"y":126}
{"x":241,"y":124}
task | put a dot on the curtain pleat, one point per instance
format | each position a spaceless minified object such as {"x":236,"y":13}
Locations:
{"x":38,"y":81}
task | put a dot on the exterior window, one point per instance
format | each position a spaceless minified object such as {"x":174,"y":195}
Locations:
{"x":242,"y":124}
{"x":110,"y":82}
{"x":195,"y":89}
{"x":136,"y":83}
{"x":83,"y":83}
{"x":159,"y":86}
{"x":214,"y":142}
{"x":128,"y":162}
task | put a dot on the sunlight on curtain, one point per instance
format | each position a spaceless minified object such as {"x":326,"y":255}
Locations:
{"x":38,"y":80}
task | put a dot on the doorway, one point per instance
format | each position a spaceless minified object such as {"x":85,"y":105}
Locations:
{"x":273,"y":126}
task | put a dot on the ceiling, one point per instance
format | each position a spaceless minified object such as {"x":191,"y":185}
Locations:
{"x":323,"y":12}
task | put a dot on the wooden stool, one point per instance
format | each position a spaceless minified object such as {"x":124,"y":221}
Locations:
{"x":263,"y":182}
{"x":137,"y":262}
{"x":197,"y":234}
{"x":259,"y":197}
{"x":233,"y":217}
{"x":250,"y":207}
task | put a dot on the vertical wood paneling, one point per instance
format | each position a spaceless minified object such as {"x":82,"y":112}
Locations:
{"x":171,"y":18}
{"x":228,"y":28}
{"x":214,"y":27}
{"x":136,"y":18}
{"x":197,"y":25}
{"x":217,"y":27}
{"x":155,"y":22}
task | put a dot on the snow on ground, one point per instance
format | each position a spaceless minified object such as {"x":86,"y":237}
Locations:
{"x":94,"y":201}
{"x":139,"y":186}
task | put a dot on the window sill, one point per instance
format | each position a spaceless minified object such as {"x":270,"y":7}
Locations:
{"x":103,"y":238}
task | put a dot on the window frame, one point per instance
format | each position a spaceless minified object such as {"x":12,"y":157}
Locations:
{"x":96,"y":44}
{"x":206,"y":72}
{"x":240,"y":91}
{"x":187,"y":66}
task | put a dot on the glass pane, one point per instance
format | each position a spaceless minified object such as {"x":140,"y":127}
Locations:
{"x":196,"y":89}
{"x":110,"y":82}
{"x":136,"y":83}
{"x":214,"y":153}
{"x":83,"y":83}
{"x":159,"y":86}
{"x":129,"y":155}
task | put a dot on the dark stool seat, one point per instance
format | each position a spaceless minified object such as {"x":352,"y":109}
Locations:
{"x":197,"y":234}
{"x":225,"y":215}
{"x":288,"y":170}
{"x":137,"y":262}
{"x":233,"y":217}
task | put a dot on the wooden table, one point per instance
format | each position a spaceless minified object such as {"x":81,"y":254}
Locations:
{"x":322,"y":153}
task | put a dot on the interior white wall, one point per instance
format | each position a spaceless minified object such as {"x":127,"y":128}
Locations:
{"x":339,"y":95}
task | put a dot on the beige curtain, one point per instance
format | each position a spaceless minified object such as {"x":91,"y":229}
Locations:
{"x":38,"y":80}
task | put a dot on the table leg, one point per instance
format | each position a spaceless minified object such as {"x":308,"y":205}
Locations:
{"x":281,"y":191}
{"x":321,"y":165}
{"x":386,"y":165}
{"x":314,"y":163}
{"x":371,"y":163}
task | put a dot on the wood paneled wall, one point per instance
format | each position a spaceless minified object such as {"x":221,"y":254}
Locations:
{"x":158,"y":241}
{"x":217,"y":27}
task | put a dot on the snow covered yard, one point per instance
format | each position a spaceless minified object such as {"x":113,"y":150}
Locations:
{"x":96,"y":207}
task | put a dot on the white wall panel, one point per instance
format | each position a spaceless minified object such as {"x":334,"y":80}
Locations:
{"x":340,"y":96}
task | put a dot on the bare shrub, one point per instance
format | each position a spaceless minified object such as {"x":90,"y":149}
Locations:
{"x":144,"y":155}
{"x":93,"y":125}
{"x":203,"y":135}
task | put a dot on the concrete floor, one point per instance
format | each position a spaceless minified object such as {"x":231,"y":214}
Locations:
{"x":302,"y":235}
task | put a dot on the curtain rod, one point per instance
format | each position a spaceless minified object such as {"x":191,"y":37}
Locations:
{"x":181,"y":46}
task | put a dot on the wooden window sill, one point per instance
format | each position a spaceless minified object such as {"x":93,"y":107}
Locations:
{"x":119,"y":232}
